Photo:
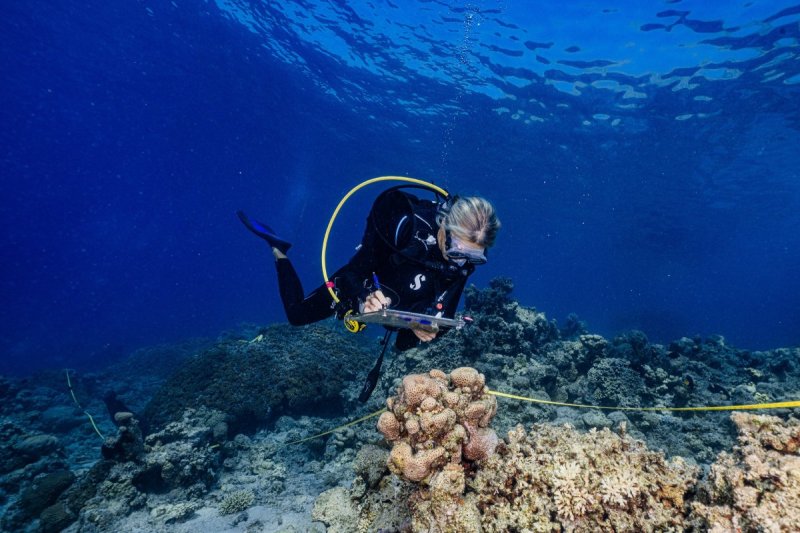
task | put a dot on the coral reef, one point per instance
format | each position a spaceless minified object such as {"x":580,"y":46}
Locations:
{"x":556,"y":478}
{"x":520,"y":351}
{"x":757,"y":487}
{"x":553,"y":478}
{"x":56,"y":474}
{"x":611,"y":381}
{"x":182,"y":461}
{"x":550,"y":478}
{"x":383,"y":507}
{"x":234,"y":377}
{"x":370,"y":465}
{"x":443,"y":507}
{"x":33,"y":466}
{"x":436,"y":419}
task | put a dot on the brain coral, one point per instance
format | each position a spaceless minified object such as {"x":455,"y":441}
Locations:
{"x":436,"y":419}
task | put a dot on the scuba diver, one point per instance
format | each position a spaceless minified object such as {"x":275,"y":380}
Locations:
{"x":415,"y":255}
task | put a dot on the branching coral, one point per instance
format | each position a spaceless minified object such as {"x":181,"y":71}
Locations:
{"x":236,"y":502}
{"x":757,"y":487}
{"x":557,"y":477}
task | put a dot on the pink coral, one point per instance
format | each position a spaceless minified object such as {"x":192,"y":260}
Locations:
{"x":438,"y":375}
{"x":482,"y":442}
{"x":414,"y":466}
{"x":389,"y":426}
{"x":429,"y":404}
{"x":481,"y":412}
{"x":435,"y":424}
{"x":416,"y":387}
{"x":428,"y":417}
{"x":467,"y":378}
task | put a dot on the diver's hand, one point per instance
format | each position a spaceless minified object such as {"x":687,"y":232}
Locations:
{"x":424,"y":336}
{"x":375,"y":302}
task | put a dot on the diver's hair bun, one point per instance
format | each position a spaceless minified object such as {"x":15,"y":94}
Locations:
{"x":472,"y":218}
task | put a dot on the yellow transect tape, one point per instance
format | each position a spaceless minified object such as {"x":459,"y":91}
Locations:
{"x":353,"y":423}
{"x":750,"y":406}
{"x":347,"y":197}
{"x":74,"y":399}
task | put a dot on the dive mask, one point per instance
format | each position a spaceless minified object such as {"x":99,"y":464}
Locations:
{"x":460,"y":254}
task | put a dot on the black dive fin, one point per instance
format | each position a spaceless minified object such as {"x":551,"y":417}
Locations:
{"x":265,"y":232}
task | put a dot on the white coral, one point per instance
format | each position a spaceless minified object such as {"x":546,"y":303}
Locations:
{"x":570,"y":492}
{"x":619,"y":488}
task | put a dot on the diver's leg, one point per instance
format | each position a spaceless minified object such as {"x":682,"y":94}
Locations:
{"x":301,"y":310}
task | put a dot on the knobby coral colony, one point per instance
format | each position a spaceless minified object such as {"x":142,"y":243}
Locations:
{"x":436,"y":423}
{"x":437,"y":419}
{"x":553,"y":478}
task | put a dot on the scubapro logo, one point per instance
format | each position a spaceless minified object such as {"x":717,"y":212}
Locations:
{"x":418,"y":279}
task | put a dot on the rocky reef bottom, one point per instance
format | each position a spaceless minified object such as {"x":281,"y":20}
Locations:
{"x":201,"y":436}
{"x":554,"y":478}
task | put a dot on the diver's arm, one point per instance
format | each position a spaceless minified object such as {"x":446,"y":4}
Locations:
{"x":352,"y":279}
{"x":355,"y":278}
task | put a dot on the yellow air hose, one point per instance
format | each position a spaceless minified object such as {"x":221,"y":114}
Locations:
{"x":346,"y":197}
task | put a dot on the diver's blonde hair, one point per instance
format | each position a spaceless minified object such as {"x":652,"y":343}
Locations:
{"x":472,"y":218}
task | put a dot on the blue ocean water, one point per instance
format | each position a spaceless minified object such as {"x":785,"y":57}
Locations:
{"x":643,"y":157}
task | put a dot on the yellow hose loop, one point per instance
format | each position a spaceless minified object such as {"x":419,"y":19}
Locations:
{"x":347,"y":197}
{"x":337,"y":428}
{"x":752,"y":406}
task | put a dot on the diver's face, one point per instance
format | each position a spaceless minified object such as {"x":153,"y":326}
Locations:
{"x":459,"y":250}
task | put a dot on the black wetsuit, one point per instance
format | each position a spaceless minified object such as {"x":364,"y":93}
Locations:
{"x":399,"y":246}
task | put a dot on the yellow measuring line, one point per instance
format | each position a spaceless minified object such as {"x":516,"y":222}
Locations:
{"x":751,"y":406}
{"x":744,"y":407}
{"x":353,"y":423}
{"x":74,"y":399}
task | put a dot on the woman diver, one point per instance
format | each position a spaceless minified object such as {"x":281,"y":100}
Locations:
{"x":422,"y":251}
